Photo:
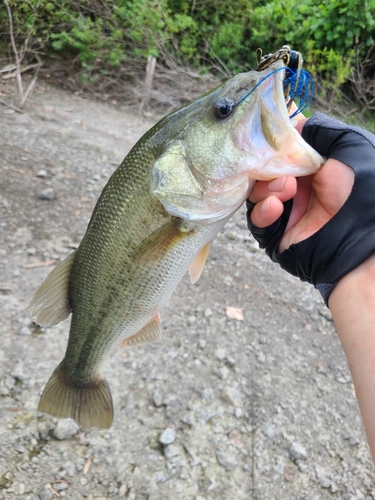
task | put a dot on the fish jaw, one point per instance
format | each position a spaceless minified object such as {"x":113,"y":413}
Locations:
{"x":212,"y":170}
{"x":268,"y":133}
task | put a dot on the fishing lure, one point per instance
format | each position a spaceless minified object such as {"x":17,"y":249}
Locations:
{"x":298,"y":83}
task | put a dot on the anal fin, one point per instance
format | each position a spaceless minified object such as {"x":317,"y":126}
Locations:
{"x":147,"y":335}
{"x":50,"y":303}
{"x":90,"y":404}
{"x":197,"y":266}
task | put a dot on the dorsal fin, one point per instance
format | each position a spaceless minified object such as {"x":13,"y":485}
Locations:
{"x":50,"y":303}
{"x":147,"y":335}
{"x":197,"y":266}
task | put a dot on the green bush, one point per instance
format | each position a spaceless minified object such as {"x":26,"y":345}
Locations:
{"x":102,"y":34}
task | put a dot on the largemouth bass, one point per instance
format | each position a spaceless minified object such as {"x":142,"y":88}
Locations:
{"x":154,"y":220}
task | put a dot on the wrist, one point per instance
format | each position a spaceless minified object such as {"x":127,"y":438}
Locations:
{"x":354,"y":292}
{"x":352,"y":305}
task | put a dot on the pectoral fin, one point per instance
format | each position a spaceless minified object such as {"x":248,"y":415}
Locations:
{"x":158,"y":244}
{"x":197,"y":266}
{"x":149,"y":334}
{"x":50,"y":303}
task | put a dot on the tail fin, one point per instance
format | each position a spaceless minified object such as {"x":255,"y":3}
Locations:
{"x":89,"y":405}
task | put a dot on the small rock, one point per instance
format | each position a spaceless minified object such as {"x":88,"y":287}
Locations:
{"x":60,"y":486}
{"x":207,"y":393}
{"x":353,"y":441}
{"x":46,"y":494}
{"x":297,"y":452}
{"x":47,"y":194}
{"x":222,"y":373}
{"x":70,"y":469}
{"x":208,"y":312}
{"x":42,"y":173}
{"x":157,"y":399}
{"x":65,"y":429}
{"x":171,"y":451}
{"x":123,"y":489}
{"x":188,"y":419}
{"x":18,"y":373}
{"x":202,"y":343}
{"x":232,"y":396}
{"x":25,"y":330}
{"x":334,"y":488}
{"x":160,"y":477}
{"x":234,"y":313}
{"x":238,"y":413}
{"x":220,"y":353}
{"x":271,"y":431}
{"x":168,"y":436}
{"x":226,"y":460}
{"x":325,"y":483}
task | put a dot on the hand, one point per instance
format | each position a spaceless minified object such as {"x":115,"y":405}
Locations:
{"x":316,"y":199}
{"x":321,"y":227}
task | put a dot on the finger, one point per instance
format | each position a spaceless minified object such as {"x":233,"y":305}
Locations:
{"x":299,"y":125}
{"x":284,"y":188}
{"x":267,"y":212}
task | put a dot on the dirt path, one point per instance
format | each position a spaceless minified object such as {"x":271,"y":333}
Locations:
{"x":259,"y":408}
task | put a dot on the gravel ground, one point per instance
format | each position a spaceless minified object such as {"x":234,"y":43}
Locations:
{"x":248,"y":395}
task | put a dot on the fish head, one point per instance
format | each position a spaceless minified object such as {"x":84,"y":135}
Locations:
{"x":226,"y":140}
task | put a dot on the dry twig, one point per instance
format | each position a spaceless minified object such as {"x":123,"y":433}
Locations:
{"x":18,"y":58}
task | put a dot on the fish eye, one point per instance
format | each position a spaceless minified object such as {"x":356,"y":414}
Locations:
{"x":223,"y":108}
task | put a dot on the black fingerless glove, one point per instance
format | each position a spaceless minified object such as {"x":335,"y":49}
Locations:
{"x":348,"y":239}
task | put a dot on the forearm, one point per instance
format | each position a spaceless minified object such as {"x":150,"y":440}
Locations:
{"x":352,"y":304}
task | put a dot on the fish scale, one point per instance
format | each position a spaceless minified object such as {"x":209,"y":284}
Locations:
{"x":154,"y":220}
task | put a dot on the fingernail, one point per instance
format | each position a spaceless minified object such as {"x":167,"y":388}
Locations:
{"x":265,"y":206}
{"x":277,"y":184}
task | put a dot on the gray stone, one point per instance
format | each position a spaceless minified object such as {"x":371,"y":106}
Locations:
{"x":70,"y":469}
{"x":46,"y":494}
{"x":220,"y":353}
{"x":168,"y":436}
{"x":222,"y":373}
{"x":325,"y":483}
{"x":297,"y":452}
{"x":65,"y":429}
{"x":188,"y":419}
{"x":226,"y":460}
{"x":42,"y":173}
{"x":157,"y":399}
{"x":171,"y":451}
{"x":25,"y":330}
{"x":207,"y":393}
{"x":202,"y":343}
{"x":46,"y":194}
{"x":232,"y":396}
{"x":60,"y":486}
{"x":271,"y":431}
